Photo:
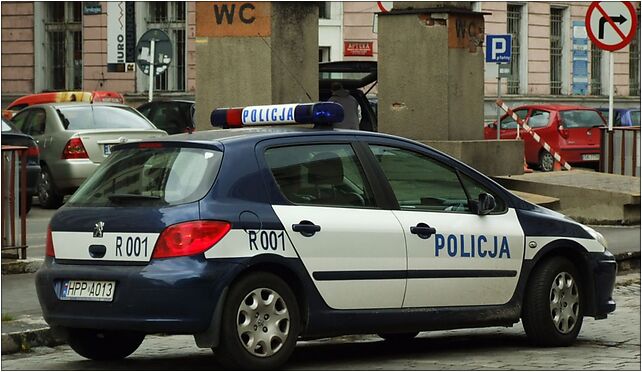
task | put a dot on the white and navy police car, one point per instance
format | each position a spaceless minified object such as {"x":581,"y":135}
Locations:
{"x":253,"y":238}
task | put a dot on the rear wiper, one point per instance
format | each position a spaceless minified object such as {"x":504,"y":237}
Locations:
{"x":127,"y":197}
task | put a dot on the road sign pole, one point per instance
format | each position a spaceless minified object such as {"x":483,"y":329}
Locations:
{"x":610,"y":91}
{"x":499,"y":96}
{"x":151,"y":70}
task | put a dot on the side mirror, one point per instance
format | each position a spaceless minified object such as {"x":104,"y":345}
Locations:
{"x":485,"y":204}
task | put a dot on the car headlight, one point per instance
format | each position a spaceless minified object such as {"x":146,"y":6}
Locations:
{"x":597,"y":236}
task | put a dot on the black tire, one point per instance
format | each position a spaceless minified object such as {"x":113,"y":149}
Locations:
{"x":553,"y":308}
{"x":48,"y":196}
{"x":284,"y":324}
{"x":398,"y":337}
{"x":104,"y":345}
{"x":546,"y":161}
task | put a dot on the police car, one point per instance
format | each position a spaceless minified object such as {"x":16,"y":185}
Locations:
{"x":253,"y":237}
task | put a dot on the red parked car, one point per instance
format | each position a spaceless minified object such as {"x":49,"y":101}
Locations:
{"x":572,"y":131}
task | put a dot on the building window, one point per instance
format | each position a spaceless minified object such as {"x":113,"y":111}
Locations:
{"x":324,"y":10}
{"x":63,"y":39}
{"x":634,"y":64}
{"x":324,"y":54}
{"x":596,"y":70}
{"x":514,"y":25}
{"x":557,"y":15}
{"x":170,"y":16}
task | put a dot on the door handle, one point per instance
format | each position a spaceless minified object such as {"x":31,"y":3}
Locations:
{"x":306,"y":228}
{"x":422,"y":230}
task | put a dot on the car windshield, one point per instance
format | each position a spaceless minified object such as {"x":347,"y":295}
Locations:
{"x":150,"y":176}
{"x":581,"y":119}
{"x":635,"y":118}
{"x":101,"y":117}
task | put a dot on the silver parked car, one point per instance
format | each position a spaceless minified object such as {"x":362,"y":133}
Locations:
{"x":74,"y":138}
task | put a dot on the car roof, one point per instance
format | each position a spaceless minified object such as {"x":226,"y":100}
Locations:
{"x":67,"y":104}
{"x":351,"y":74}
{"x":554,"y":107}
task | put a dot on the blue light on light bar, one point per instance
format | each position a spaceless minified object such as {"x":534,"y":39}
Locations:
{"x":321,"y":113}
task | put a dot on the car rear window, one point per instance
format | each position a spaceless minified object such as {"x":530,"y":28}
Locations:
{"x":150,"y":177}
{"x":101,"y":117}
{"x":581,"y":119}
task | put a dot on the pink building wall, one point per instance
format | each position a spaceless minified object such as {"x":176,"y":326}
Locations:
{"x":17,"y":47}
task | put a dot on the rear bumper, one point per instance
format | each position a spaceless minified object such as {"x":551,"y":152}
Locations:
{"x":604,"y":269}
{"x":573,"y":154}
{"x":176,"y":295}
{"x":69,"y":174}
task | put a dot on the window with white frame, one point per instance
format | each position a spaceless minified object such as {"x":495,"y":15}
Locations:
{"x":324,"y":54}
{"x":514,"y":27}
{"x":556,"y":50}
{"x":171,"y":17}
{"x":634,"y":63}
{"x":596,"y":70}
{"x":325,"y":8}
{"x":63,"y":45}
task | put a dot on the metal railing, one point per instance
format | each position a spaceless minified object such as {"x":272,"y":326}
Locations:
{"x":620,"y":151}
{"x":10,"y":187}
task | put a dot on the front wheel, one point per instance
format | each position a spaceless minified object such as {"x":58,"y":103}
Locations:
{"x":546,"y":161}
{"x":552,"y":312}
{"x":104,"y":345}
{"x":260,"y":323}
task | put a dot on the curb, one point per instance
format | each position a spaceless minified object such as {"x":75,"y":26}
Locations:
{"x":627,"y":261}
{"x":22,"y":341}
{"x":29,"y":265}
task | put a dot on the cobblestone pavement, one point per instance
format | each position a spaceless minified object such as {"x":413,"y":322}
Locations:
{"x":611,"y":344}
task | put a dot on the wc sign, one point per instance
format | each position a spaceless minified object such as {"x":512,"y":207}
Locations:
{"x":498,"y":48}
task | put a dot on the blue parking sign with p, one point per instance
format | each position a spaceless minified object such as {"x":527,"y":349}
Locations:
{"x":498,"y":48}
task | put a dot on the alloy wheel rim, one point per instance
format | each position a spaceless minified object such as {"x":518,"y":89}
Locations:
{"x":564,"y":303}
{"x":547,"y":162}
{"x":263,"y":322}
{"x":43,"y":190}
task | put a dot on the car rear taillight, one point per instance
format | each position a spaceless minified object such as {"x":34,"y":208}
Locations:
{"x":189,"y":238}
{"x":74,"y":150}
{"x":33,"y":152}
{"x":49,"y":248}
{"x":563,"y":131}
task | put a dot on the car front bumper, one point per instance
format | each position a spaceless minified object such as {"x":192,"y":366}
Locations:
{"x":604,"y":269}
{"x":174,"y":295}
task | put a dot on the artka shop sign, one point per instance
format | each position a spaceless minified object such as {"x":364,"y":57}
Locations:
{"x":357,"y":48}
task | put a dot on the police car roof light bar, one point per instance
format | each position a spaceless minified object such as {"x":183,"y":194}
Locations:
{"x":320,"y":113}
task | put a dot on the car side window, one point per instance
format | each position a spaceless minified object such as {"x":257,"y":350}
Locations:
{"x":419,"y":182}
{"x":145,"y":110}
{"x":539,"y":119}
{"x":36,"y":122}
{"x":509,"y":123}
{"x":474,"y":189}
{"x":323,"y":175}
{"x":20,"y":120}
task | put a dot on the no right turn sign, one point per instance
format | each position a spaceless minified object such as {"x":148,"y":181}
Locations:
{"x":611,"y":25}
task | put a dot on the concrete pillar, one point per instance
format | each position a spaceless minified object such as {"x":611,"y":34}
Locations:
{"x":254,"y":53}
{"x":431,"y":73}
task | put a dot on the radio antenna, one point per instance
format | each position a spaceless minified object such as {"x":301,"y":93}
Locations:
{"x":286,"y":67}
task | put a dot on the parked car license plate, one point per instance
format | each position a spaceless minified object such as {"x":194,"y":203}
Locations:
{"x":88,"y":290}
{"x":107,"y":149}
{"x":589,"y":157}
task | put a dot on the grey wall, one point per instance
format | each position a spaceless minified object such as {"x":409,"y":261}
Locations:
{"x":493,"y":158}
{"x":428,"y":90}
{"x":412,"y":78}
{"x":241,"y":71}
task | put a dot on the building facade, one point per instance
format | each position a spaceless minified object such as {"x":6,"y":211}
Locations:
{"x":70,"y":45}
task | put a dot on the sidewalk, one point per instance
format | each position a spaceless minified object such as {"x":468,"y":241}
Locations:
{"x":24,"y":328}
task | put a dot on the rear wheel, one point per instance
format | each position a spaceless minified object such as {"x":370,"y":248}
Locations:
{"x":546,"y":161}
{"x":552,"y":312}
{"x":398,"y":337}
{"x":260,"y":323}
{"x":104,"y":345}
{"x":48,"y":195}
